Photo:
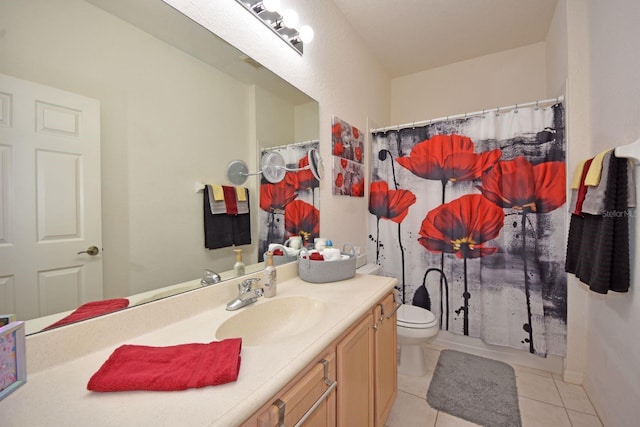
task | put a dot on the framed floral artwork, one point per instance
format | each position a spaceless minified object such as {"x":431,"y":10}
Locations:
{"x":347,"y":149}
{"x":13,"y":369}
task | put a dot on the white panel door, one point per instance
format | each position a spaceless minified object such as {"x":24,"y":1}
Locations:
{"x":50,"y":202}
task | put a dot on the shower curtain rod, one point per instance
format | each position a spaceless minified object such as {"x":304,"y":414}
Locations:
{"x":542,"y":103}
{"x":293,"y":144}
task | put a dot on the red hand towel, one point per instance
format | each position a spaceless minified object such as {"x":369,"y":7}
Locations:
{"x":316,"y":256}
{"x":92,"y":309}
{"x":178,"y":367}
{"x":582,"y":190}
{"x":230,"y":200}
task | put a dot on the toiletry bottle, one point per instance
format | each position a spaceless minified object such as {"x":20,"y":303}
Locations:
{"x":270,"y":282}
{"x":238,"y":267}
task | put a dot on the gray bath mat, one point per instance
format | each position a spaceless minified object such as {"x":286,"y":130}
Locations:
{"x":477,"y":389}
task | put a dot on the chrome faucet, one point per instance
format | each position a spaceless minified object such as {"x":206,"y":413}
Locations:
{"x":210,"y":278}
{"x":246,"y":294}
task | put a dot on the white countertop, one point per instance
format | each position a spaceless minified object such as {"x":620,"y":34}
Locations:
{"x":64,"y":359}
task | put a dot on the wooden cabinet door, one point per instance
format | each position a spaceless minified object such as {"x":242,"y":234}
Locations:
{"x":355,"y":376}
{"x":301,"y":397}
{"x":385,"y":359}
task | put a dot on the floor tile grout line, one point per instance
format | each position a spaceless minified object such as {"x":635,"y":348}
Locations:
{"x":588,"y":398}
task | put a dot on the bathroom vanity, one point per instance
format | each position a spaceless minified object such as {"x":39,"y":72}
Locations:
{"x":350,"y":325}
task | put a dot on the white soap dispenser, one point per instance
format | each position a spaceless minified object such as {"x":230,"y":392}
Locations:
{"x":238,"y":267}
{"x":270,"y":282}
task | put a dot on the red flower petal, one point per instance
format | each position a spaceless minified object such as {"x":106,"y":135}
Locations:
{"x":389,"y":204}
{"x":306,"y":179}
{"x":520,"y":185}
{"x":448,"y":158}
{"x":358,"y":154}
{"x":276,"y":196}
{"x":462,"y":226}
{"x":549,"y":178}
{"x":302,"y":219}
{"x":357,"y":188}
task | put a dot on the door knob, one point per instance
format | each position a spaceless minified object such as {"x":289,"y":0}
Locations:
{"x":91,"y":250}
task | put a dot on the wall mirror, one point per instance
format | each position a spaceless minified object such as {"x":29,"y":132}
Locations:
{"x":176,"y":104}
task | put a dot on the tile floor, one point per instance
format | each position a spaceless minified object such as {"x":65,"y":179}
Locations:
{"x":545,"y":401}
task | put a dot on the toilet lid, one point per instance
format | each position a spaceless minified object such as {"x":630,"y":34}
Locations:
{"x":413,"y":316}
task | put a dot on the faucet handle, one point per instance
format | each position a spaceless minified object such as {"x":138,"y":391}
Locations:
{"x":247,"y":284}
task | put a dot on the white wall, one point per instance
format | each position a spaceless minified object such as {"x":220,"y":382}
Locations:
{"x":336,"y":70}
{"x":612,"y":374}
{"x":568,"y":71}
{"x":504,"y":78}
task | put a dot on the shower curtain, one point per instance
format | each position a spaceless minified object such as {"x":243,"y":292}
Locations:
{"x":290,"y":207}
{"x":466,"y":213}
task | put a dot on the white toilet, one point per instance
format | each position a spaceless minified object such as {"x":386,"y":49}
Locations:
{"x":416,"y":326}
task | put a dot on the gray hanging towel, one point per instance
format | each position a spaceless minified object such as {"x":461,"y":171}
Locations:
{"x":598,"y":245}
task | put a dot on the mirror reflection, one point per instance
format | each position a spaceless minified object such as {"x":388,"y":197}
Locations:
{"x":171,"y":104}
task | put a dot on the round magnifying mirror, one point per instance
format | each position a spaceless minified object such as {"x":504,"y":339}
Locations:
{"x":315,"y":164}
{"x":237,"y":172}
{"x":273,"y":167}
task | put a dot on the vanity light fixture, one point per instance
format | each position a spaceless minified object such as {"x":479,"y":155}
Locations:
{"x":283,"y":23}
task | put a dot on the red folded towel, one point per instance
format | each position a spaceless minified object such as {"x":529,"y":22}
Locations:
{"x":92,"y":309}
{"x":178,"y":367}
{"x":316,"y":256}
{"x":230,"y":199}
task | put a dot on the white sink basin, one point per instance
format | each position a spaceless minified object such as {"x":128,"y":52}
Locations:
{"x":269,"y":321}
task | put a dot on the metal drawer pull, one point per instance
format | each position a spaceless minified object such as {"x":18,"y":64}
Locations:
{"x":398,"y":305}
{"x":318,"y":402}
{"x":281,"y":405}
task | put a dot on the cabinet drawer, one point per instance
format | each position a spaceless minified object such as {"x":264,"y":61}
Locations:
{"x":300,"y":399}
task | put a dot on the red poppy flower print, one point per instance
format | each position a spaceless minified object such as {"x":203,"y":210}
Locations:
{"x":520,"y":185}
{"x":355,"y":132}
{"x":276,"y":196}
{"x":358,"y":153}
{"x":389,"y":204}
{"x":462,"y":226}
{"x":448,"y":158}
{"x":305,"y":177}
{"x":302,"y":219}
{"x":357,"y":188}
{"x":344,"y":163}
{"x":336,"y":131}
{"x":338,"y":149}
{"x":339,"y":180}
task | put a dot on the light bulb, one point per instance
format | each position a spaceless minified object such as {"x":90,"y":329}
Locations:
{"x":271,"y":5}
{"x":306,"y":34}
{"x":290,"y":18}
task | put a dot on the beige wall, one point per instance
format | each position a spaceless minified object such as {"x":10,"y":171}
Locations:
{"x":612,"y":376}
{"x":336,"y":70}
{"x":491,"y":81}
{"x":567,"y":68}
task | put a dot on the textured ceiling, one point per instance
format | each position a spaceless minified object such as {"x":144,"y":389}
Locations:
{"x":408,"y":36}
